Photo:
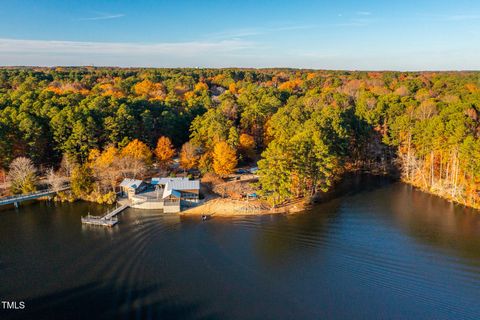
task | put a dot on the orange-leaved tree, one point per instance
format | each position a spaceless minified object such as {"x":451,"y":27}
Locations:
{"x":164,"y":151}
{"x":188,"y":156}
{"x":149,"y":89}
{"x":224,"y":159}
{"x":246,"y":146}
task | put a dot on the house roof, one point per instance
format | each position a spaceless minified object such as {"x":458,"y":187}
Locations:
{"x":166,"y":180}
{"x":131,"y":183}
{"x":179,"y":185}
{"x":175,"y":193}
{"x":183,"y":184}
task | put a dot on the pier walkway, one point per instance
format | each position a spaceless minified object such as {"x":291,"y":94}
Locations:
{"x":16,"y":200}
{"x":108,"y":220}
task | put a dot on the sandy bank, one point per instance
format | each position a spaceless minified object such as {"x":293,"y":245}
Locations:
{"x":230,"y":207}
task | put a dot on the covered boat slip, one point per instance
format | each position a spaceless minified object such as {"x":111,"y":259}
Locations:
{"x":151,"y":201}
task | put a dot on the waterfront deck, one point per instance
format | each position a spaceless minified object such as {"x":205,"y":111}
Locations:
{"x":108,"y":220}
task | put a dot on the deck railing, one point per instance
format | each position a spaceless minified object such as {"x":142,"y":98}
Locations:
{"x":31,"y":195}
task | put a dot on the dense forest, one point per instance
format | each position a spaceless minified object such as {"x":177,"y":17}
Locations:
{"x":304,"y":127}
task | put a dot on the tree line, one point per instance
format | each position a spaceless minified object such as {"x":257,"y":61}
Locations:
{"x":305,"y":127}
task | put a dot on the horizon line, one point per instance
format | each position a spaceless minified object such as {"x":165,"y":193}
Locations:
{"x":233,"y":67}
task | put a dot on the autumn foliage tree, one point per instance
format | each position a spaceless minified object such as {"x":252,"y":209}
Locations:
{"x":205,"y":163}
{"x":246,"y":146}
{"x":164,"y":151}
{"x":136,"y":149}
{"x":149,"y":89}
{"x":105,"y":166}
{"x":188,"y":156}
{"x":224,"y":159}
{"x":201,"y":86}
{"x":135,"y":158}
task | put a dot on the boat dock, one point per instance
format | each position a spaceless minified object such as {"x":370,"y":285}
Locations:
{"x":108,"y":220}
{"x":99,"y":221}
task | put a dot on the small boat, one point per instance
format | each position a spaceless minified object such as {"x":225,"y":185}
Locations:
{"x":205,"y":217}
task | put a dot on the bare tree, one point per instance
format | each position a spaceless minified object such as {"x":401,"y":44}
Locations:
{"x":54,"y":179}
{"x":67,"y":165}
{"x":131,"y":167}
{"x":107,"y":175}
{"x":22,"y":175}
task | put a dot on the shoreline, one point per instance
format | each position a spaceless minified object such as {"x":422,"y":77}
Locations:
{"x":442,"y":195}
{"x":226,"y":207}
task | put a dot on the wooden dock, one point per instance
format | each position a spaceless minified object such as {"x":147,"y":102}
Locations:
{"x":108,"y":220}
{"x":99,"y":221}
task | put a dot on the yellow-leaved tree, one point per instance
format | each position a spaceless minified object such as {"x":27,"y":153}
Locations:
{"x":107,"y":157}
{"x":201,"y":86}
{"x":149,"y":89}
{"x":104,"y":166}
{"x":135,"y":159}
{"x":224,"y":159}
{"x":138,"y":150}
{"x":164,"y":152}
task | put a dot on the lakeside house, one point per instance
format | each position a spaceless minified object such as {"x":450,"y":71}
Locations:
{"x":171,"y":194}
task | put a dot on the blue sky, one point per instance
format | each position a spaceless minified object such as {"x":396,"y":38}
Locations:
{"x":354,"y":35}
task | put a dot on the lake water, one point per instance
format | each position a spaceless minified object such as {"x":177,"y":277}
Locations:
{"x":382,"y":250}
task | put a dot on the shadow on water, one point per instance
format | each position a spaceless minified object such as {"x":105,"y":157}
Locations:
{"x":352,"y":184}
{"x":97,"y":301}
{"x":426,"y":218}
{"x":291,"y":234}
{"x":437,"y":222}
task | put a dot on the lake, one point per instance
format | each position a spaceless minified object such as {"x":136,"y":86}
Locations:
{"x":377,"y":250}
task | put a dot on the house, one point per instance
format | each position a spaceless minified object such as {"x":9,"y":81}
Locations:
{"x":132,"y":186}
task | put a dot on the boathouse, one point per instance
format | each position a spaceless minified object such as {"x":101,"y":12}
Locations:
{"x":132,"y":186}
{"x":178,"y":188}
